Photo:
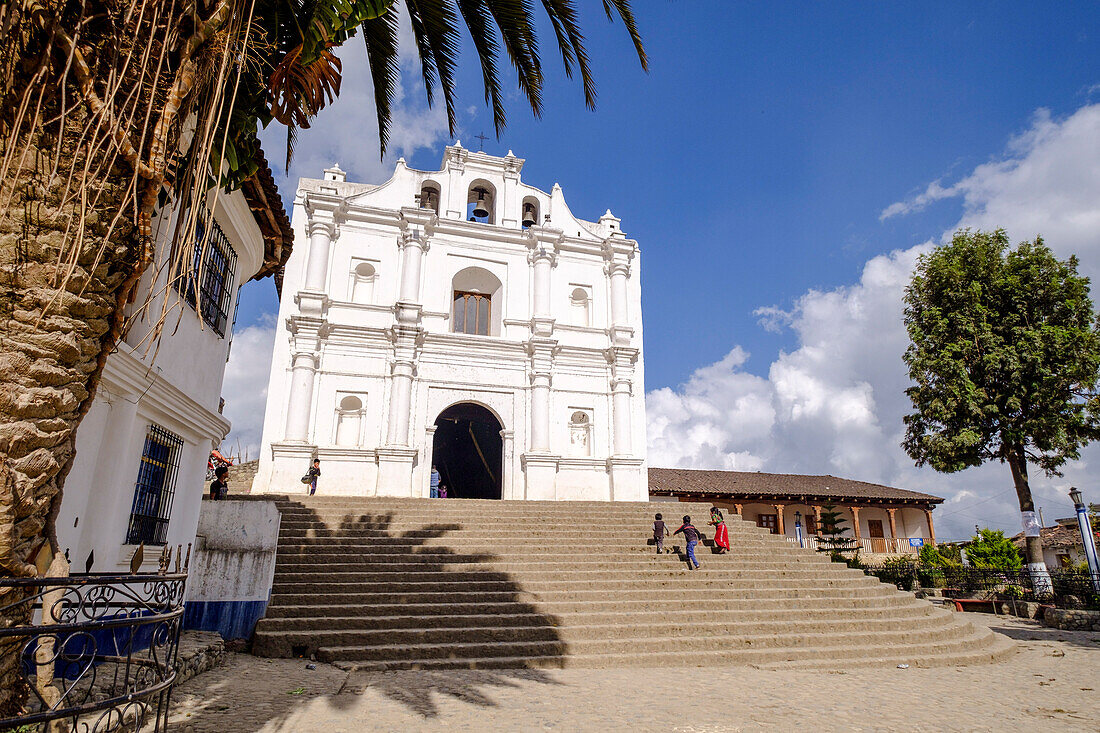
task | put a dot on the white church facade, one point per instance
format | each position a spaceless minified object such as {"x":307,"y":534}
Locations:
{"x":458,"y":318}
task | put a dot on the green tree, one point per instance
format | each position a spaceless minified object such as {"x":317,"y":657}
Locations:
{"x":939,"y":556}
{"x":111,"y":110}
{"x":1004,"y":356}
{"x":830,"y":534}
{"x":990,"y":549}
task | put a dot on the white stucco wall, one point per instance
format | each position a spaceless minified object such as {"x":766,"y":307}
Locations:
{"x":175,"y":383}
{"x":345,"y":348}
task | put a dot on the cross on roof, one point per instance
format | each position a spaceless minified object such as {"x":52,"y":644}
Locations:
{"x":482,"y":137}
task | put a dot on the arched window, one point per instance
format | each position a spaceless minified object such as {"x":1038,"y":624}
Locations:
{"x":349,"y":414}
{"x":476,"y":300}
{"x":579,"y":306}
{"x":580,"y":438}
{"x":530,"y":214}
{"x":481,"y":202}
{"x":363,"y":276}
{"x":429,"y":196}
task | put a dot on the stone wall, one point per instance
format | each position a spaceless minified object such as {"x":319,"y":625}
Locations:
{"x":1071,"y":620}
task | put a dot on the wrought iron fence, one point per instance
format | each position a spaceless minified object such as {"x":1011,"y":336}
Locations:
{"x":97,"y":653}
{"x":1067,"y":589}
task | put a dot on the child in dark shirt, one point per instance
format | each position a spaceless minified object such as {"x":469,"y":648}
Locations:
{"x":660,"y":531}
{"x":693,"y":537}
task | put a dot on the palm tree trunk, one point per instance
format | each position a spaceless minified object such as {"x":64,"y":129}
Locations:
{"x":55,"y":334}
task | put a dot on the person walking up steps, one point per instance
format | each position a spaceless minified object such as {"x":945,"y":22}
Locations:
{"x":721,"y":532}
{"x":693,"y":537}
{"x":660,"y":531}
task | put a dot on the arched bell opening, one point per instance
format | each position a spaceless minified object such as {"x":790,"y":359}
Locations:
{"x":468,"y":452}
{"x":481,"y":202}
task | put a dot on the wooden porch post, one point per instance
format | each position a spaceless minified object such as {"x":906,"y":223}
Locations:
{"x":737,"y":507}
{"x":893,"y":525}
{"x":855,"y":520}
{"x":931,"y":529}
{"x":817,"y":513}
{"x":779,"y":517}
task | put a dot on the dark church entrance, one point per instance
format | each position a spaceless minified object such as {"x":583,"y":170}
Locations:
{"x":468,"y":450}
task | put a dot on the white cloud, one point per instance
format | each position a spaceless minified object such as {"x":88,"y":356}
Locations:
{"x":245,"y":387}
{"x":835,"y":403}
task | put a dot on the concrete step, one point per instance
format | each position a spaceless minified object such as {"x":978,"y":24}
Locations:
{"x":310,"y":606}
{"x":855,"y":643}
{"x":971,"y":650}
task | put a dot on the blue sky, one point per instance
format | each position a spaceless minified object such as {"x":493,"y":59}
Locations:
{"x":754,"y":164}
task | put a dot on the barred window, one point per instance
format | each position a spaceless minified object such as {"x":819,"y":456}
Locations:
{"x":212,"y":272}
{"x":156,"y":485}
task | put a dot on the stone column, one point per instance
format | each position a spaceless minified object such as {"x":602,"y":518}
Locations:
{"x":779,"y":518}
{"x":321,"y":232}
{"x":507,"y":475}
{"x":540,"y":412}
{"x":429,"y":448}
{"x":542,"y":258}
{"x":300,"y":400}
{"x":931,"y":529}
{"x":621,"y":331}
{"x":400,"y":402}
{"x":855,"y":521}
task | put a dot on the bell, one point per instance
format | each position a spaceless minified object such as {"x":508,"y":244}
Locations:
{"x":480,"y":209}
{"x":428,"y":199}
{"x":529,"y":215}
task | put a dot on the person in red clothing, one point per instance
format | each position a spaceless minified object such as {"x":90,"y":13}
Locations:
{"x":693,"y":537}
{"x":721,"y":531}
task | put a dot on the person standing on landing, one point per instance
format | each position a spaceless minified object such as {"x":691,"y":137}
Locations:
{"x":219,"y":487}
{"x":313,"y":473}
{"x":433,"y":490}
{"x":693,"y":537}
{"x":660,"y":531}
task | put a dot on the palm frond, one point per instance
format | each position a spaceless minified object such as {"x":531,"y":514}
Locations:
{"x":435,"y":27}
{"x":514,"y":20}
{"x":479,"y":21}
{"x":623,"y":8}
{"x":380,"y":36}
{"x":563,"y":16}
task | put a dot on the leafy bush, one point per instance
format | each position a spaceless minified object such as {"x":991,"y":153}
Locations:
{"x":990,"y":549}
{"x":939,"y":557}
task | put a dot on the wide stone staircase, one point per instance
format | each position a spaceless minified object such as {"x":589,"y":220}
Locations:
{"x":453,"y":583}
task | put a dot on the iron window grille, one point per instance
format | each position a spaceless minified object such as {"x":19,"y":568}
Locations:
{"x":156,"y":486}
{"x":472,"y":312}
{"x":211,"y":273}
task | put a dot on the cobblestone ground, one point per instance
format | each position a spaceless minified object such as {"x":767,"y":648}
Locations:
{"x":1050,"y":684}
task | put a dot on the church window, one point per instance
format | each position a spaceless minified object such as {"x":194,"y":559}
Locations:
{"x":155,"y":487}
{"x":481,"y":202}
{"x":349,"y":412}
{"x":472,"y":312}
{"x":429,"y":196}
{"x":363,"y":276}
{"x":579,"y":306}
{"x":206,"y":283}
{"x":580,"y":434}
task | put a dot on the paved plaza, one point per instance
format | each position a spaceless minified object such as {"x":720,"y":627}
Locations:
{"x":1051,"y":683}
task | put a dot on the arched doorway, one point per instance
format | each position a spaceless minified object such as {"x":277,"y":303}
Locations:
{"x":468,"y":451}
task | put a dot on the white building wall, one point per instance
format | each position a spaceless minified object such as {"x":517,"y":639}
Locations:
{"x":173,"y":382}
{"x":402,"y":340}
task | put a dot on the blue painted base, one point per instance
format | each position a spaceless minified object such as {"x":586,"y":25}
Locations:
{"x":231,"y":619}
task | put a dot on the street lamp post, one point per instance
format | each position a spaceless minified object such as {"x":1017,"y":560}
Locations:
{"x":798,"y":527}
{"x":1087,"y":537}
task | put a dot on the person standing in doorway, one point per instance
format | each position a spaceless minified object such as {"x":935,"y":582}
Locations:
{"x":693,"y":537}
{"x":313,"y":473}
{"x":219,"y":487}
{"x":433,"y":489}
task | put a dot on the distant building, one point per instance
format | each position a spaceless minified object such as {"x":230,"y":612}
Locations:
{"x":1062,"y":545}
{"x":882,"y":518}
{"x":461,"y":318}
{"x":142,"y":450}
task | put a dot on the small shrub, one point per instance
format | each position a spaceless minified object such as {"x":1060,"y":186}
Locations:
{"x":991,"y":550}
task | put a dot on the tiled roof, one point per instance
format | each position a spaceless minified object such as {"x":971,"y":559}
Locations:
{"x":750,"y":485}
{"x":263,"y":198}
{"x":1055,"y":538}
